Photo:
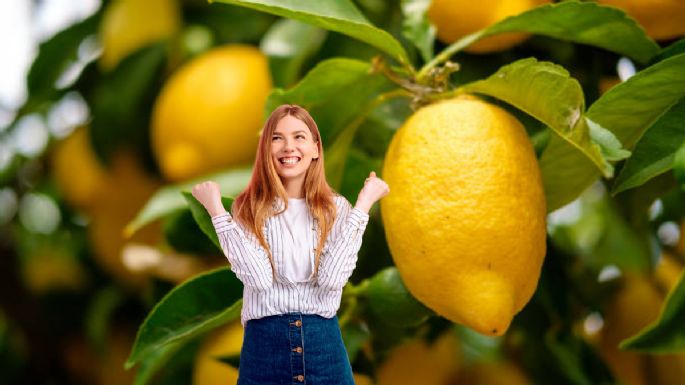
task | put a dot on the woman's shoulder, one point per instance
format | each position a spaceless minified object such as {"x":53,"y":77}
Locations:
{"x":340,"y":201}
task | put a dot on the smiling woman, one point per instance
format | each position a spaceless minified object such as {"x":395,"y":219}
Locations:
{"x":293,"y":244}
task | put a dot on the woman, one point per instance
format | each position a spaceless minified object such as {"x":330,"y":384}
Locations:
{"x":293,"y":242}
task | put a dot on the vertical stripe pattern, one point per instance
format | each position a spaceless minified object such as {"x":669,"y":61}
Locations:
{"x":264,"y":296}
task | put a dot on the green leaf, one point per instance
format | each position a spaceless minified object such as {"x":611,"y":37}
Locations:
{"x":627,"y":110}
{"x":389,"y":301}
{"x":56,"y":54}
{"x":655,"y":151}
{"x":546,"y":91}
{"x":581,"y":22}
{"x":679,"y":166}
{"x":122,"y":101}
{"x":192,"y":308}
{"x":335,"y":15}
{"x":417,"y":28}
{"x":287,"y":44}
{"x":169,"y":199}
{"x":666,"y":334}
{"x":202,"y":217}
{"x":156,"y":360}
{"x":674,"y":49}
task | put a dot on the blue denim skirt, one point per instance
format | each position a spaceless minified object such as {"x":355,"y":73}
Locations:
{"x":294,"y":349}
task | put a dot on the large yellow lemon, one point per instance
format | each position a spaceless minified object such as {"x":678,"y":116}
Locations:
{"x":416,"y":362}
{"x":209,"y":113}
{"x":661,"y":19}
{"x":208,"y":369}
{"x":465,"y":221}
{"x":128,"y":25}
{"x":455,"y":19}
{"x":77,"y":170}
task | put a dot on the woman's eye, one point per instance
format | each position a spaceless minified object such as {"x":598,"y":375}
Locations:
{"x":276,"y":137}
{"x":300,"y":136}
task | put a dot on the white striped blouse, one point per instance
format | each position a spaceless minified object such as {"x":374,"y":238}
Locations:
{"x":262,"y":296}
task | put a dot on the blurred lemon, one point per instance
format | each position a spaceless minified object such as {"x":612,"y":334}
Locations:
{"x":362,"y":379}
{"x":127,"y":188}
{"x":209,"y":113}
{"x":465,"y":172}
{"x":416,"y":362}
{"x":77,"y":170}
{"x":455,"y":19}
{"x":50,"y":268}
{"x":661,"y":19}
{"x":492,"y":373}
{"x":225,"y":341}
{"x":128,"y":25}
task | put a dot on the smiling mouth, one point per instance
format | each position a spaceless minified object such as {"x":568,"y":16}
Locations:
{"x":290,"y":160}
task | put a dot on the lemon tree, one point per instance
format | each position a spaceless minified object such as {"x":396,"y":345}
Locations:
{"x":534,"y":150}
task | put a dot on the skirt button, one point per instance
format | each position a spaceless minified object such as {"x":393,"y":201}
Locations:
{"x":300,"y":378}
{"x":298,"y":349}
{"x":298,"y":323}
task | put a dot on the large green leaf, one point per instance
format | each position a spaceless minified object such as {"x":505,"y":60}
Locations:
{"x":581,"y":22}
{"x":627,"y":110}
{"x":655,"y":151}
{"x":666,"y":334}
{"x":169,"y":199}
{"x":546,"y":91}
{"x":287,"y":44}
{"x":194,"y":307}
{"x":416,"y":26}
{"x":335,"y":15}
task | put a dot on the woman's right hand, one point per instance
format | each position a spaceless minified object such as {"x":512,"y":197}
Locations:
{"x":209,"y":195}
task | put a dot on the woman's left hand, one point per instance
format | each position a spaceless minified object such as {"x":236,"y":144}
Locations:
{"x":374,"y":189}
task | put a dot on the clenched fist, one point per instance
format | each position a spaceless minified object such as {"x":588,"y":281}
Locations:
{"x":209,"y":195}
{"x":374,"y":189}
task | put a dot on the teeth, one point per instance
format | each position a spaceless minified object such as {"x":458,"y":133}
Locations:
{"x":290,"y":160}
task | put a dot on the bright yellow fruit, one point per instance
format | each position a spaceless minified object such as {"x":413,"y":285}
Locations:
{"x":77,"y":170}
{"x":127,"y":189}
{"x":128,"y":25}
{"x":455,"y":19}
{"x":209,"y":114}
{"x":465,"y":221}
{"x":362,"y":379}
{"x":661,"y":19}
{"x":492,"y":373}
{"x":225,"y":341}
{"x":416,"y":362}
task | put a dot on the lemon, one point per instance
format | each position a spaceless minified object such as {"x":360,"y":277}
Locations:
{"x":208,"y":369}
{"x":128,"y":25}
{"x":209,"y":113}
{"x":466,"y":219}
{"x":417,"y":362}
{"x":661,"y":19}
{"x":127,"y":189}
{"x":455,"y":19}
{"x":76,"y":169}
{"x":491,"y":373}
{"x":362,"y":379}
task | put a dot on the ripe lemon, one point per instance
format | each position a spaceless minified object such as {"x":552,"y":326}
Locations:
{"x":77,"y":170}
{"x":416,"y":362}
{"x":208,"y":369}
{"x":209,"y":113}
{"x":127,"y":189}
{"x":128,"y":25}
{"x":455,"y":19}
{"x":466,"y":220}
{"x":661,"y":19}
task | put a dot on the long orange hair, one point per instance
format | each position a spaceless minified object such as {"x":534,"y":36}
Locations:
{"x":254,"y":205}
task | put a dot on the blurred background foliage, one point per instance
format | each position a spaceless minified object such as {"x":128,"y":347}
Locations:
{"x":130,"y":106}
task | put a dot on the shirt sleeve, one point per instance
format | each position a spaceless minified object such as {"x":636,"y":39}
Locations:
{"x":339,"y":256}
{"x":249,"y":262}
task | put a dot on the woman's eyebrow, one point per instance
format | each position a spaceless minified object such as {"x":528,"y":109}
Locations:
{"x":293,"y":133}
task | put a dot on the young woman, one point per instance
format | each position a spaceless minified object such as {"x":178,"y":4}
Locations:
{"x":293,"y":242}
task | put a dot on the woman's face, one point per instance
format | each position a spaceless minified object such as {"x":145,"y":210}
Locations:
{"x":292,"y":148}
